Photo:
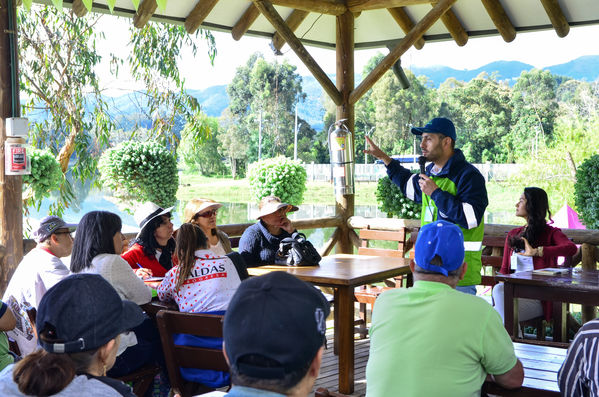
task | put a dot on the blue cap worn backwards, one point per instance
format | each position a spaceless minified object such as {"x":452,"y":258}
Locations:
{"x":440,"y":238}
{"x":439,"y":125}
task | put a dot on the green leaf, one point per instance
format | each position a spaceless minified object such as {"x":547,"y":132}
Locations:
{"x":161,"y":4}
{"x":27,"y":4}
{"x":111,"y":4}
{"x":135,"y":4}
{"x":88,"y":4}
{"x":57,"y":4}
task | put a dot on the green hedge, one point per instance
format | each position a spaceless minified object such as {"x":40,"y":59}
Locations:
{"x":586,"y":194}
{"x":140,"y":172}
{"x":392,"y":201}
{"x":46,"y":175}
{"x":281,"y":177}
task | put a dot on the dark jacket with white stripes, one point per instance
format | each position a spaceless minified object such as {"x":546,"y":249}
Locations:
{"x":461,"y":199}
{"x":579,"y":374}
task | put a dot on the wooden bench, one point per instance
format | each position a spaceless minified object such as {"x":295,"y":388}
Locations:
{"x":541,"y":364}
{"x":366,"y":295}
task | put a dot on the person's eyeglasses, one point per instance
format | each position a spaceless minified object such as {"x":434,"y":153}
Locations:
{"x":66,"y":232}
{"x":208,"y":214}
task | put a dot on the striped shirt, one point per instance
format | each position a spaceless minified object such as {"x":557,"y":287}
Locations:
{"x":579,"y":374}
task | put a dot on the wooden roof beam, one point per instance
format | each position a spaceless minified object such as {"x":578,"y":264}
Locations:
{"x":267,"y":9}
{"x":79,"y":8}
{"x":329,"y":7}
{"x":500,"y":20}
{"x":410,"y":38}
{"x":363,"y":5}
{"x":243,"y":24}
{"x":405,"y":22}
{"x":455,"y":28}
{"x":198,"y":14}
{"x":556,"y":16}
{"x":293,"y":21}
{"x":144,"y":12}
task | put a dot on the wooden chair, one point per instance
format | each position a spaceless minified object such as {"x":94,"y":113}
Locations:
{"x":491,"y":258}
{"x":142,"y":379}
{"x":323,"y":392}
{"x":367,"y":294}
{"x":176,"y":356}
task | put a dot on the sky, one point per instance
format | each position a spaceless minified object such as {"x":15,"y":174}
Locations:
{"x":199,"y":73}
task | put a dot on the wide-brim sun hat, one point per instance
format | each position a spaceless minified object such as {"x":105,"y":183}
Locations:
{"x":144,"y":214}
{"x":197,"y":206}
{"x":274,"y":206}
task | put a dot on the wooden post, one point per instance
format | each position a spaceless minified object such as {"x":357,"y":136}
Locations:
{"x":11,"y":207}
{"x":344,"y":204}
{"x":588,"y":263}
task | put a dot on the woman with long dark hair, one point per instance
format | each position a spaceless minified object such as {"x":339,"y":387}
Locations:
{"x":202,"y":282}
{"x":535,"y":245}
{"x":96,"y":250}
{"x":152,"y":250}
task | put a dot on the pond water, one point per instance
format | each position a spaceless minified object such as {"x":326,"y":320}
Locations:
{"x":230,"y":213}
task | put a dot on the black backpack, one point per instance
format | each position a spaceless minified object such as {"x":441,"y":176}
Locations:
{"x":297,"y":251}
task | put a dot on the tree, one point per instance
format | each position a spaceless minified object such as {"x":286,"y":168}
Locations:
{"x":233,"y":142}
{"x":266,"y":93}
{"x":481,"y":112}
{"x":64,"y":102}
{"x":396,"y":110}
{"x":167,"y":101}
{"x":65,"y":105}
{"x":204,"y":155}
{"x":535,"y":108}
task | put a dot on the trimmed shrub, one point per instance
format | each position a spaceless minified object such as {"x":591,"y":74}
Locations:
{"x":281,"y":177}
{"x":392,"y":201}
{"x":46,"y":175}
{"x":586,"y":194}
{"x":140,"y":172}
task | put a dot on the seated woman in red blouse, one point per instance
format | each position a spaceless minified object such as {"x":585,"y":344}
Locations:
{"x":152,"y":250}
{"x":535,"y":245}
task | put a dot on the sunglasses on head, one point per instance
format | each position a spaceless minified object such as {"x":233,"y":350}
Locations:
{"x":208,"y":214}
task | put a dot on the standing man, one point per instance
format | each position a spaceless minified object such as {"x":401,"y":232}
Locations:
{"x":430,"y":340}
{"x":450,"y":189}
{"x":39,"y":270}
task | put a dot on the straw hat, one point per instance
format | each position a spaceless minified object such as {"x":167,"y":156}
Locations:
{"x":273,"y":206}
{"x":147,"y":212}
{"x":196,"y":206}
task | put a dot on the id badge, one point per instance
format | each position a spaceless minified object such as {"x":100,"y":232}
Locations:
{"x":428,"y":214}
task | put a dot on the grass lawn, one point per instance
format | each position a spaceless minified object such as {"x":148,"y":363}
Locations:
{"x":502,"y":196}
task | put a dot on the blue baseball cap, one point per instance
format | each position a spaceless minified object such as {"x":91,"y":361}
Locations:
{"x":440,"y":238}
{"x":439,"y":125}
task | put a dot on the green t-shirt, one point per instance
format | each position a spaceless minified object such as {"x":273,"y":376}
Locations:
{"x":431,"y":340}
{"x":5,"y":357}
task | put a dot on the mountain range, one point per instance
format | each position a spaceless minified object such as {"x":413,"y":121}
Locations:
{"x":214,"y":99}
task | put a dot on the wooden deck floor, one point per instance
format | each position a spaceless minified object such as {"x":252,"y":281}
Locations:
{"x":329,"y":370}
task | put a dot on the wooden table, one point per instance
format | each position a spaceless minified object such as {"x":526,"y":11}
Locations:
{"x":575,"y":286}
{"x":344,"y":273}
{"x":541,"y":364}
